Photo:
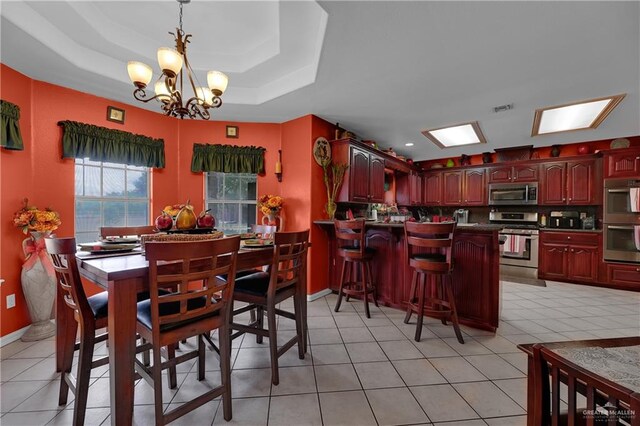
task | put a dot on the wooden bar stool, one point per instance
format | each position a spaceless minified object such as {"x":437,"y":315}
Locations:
{"x":428,"y":248}
{"x":350,"y":235}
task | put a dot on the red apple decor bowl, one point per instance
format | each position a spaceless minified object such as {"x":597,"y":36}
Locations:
{"x":206,"y":220}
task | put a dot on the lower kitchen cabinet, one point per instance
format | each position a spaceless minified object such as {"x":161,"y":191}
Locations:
{"x":569,"y":256}
{"x":623,"y":275}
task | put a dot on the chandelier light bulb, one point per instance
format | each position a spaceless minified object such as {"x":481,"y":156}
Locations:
{"x":170,"y":61}
{"x":139,"y":73}
{"x":204,"y":95}
{"x":217,"y":82}
{"x":161,"y":90}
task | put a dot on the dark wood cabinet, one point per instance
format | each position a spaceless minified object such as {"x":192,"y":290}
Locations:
{"x":553,"y":188}
{"x":520,"y":173}
{"x":569,"y":256}
{"x":376,"y":179}
{"x":622,"y":164}
{"x":475,"y":188}
{"x":623,"y":275}
{"x":409,"y":189}
{"x":452,"y":188}
{"x":364,"y":179}
{"x":432,"y":184}
{"x":572,"y":183}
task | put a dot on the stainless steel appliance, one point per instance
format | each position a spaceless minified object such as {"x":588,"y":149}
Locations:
{"x":565,"y":220}
{"x":621,"y":233}
{"x":513,"y":194}
{"x":519,"y":253}
{"x":461,"y":216}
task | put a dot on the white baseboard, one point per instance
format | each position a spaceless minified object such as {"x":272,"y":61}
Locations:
{"x":318,"y":295}
{"x":12,"y":337}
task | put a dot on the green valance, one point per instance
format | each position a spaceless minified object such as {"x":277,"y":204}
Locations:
{"x":227,"y":159}
{"x":81,"y":140}
{"x":9,"y":118}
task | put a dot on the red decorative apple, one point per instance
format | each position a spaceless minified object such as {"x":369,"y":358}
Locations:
{"x":583,"y":149}
{"x":164,"y":222}
{"x":206,"y":219}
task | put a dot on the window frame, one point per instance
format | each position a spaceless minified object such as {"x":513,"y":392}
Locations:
{"x":224,"y":201}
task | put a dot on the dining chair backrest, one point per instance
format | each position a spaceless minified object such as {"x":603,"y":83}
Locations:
{"x":189,"y":270}
{"x":62,"y":252}
{"x":289,"y":260}
{"x":266,"y":231}
{"x":126,"y":231}
{"x":350,"y":233}
{"x":430,"y":238}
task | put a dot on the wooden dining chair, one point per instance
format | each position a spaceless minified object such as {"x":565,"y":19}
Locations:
{"x":89,"y":312}
{"x":199,"y":304}
{"x":263,"y":291}
{"x":126,"y":231}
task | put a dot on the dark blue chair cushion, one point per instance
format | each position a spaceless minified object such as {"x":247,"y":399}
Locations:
{"x":100,"y":306}
{"x":144,"y":312}
{"x":255,"y":284}
{"x":367,"y":250}
{"x":239,"y":274}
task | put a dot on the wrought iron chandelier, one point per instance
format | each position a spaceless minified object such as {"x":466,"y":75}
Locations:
{"x":169,"y":86}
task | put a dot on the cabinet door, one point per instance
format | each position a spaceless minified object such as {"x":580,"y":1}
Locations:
{"x":525,"y":173}
{"x":474,"y":188}
{"x":500,"y":174}
{"x":359,"y":176}
{"x":554,"y":183}
{"x":432,"y":189}
{"x":583,"y":263}
{"x":376,"y":179}
{"x":624,"y":164}
{"x":622,"y":274}
{"x":415,"y":183}
{"x":452,"y":188}
{"x":583,"y":183}
{"x":553,"y":261}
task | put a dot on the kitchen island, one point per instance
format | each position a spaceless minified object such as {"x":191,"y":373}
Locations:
{"x":476,"y":257}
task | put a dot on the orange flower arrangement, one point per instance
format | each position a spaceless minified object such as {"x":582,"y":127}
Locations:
{"x":270,"y":205}
{"x":30,"y":218}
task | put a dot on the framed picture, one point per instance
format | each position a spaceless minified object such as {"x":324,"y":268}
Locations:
{"x":232,"y":131}
{"x":115,"y":114}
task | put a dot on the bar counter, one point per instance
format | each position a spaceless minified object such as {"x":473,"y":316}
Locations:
{"x":476,"y":257}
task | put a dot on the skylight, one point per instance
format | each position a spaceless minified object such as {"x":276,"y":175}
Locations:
{"x":575,"y":116}
{"x":458,"y":135}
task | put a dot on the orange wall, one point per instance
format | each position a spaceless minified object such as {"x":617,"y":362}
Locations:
{"x":40,"y":174}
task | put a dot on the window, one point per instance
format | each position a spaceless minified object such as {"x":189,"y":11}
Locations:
{"x":109,"y":194}
{"x":232,"y":198}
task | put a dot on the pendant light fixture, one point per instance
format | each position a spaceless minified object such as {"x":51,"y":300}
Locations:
{"x":169,"y":89}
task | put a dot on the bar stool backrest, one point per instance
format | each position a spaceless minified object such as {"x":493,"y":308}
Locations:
{"x":289,"y":259}
{"x":62,"y":252}
{"x":429,"y":239}
{"x":350,"y":234}
{"x":126,"y":231}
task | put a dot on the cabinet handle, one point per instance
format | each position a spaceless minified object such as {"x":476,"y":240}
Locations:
{"x":568,"y":238}
{"x":563,"y":199}
{"x":565,"y":249}
{"x":572,"y":250}
{"x":570,"y":198}
{"x":637,"y":158}
{"x":637,"y":269}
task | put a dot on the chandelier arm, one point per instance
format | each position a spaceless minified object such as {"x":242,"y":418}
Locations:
{"x":141,"y":95}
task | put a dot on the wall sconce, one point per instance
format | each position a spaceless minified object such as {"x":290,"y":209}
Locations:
{"x":279,"y":166}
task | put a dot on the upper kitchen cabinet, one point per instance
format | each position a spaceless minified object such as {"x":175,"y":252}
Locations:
{"x":576,"y":182}
{"x":452,"y":188}
{"x":364,"y":179}
{"x":474,"y":189}
{"x":432,"y":184}
{"x":409,"y":189}
{"x":622,"y":163}
{"x":520,"y":173}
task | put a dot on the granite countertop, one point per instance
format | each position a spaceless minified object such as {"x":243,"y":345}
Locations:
{"x":371,"y":224}
{"x":569,"y":230}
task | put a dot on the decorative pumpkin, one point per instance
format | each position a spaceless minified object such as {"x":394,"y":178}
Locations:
{"x":186,"y":218}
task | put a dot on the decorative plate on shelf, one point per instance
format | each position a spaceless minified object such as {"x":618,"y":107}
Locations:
{"x":322,"y":151}
{"x":620,"y":143}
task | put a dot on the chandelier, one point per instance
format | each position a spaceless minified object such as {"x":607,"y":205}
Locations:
{"x":169,"y":86}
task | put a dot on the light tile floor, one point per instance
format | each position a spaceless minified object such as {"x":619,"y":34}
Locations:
{"x":358,"y":371}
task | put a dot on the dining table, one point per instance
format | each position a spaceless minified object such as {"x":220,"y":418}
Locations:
{"x":123,"y":276}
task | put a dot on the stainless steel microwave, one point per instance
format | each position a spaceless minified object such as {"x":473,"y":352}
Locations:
{"x":513,"y":194}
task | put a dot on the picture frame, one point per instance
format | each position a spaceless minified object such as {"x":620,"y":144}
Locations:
{"x":115,"y":114}
{"x":233,"y":132}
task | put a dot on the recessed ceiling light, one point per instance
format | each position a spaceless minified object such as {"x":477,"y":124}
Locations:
{"x":408,"y":144}
{"x":458,"y":135}
{"x":574,"y":116}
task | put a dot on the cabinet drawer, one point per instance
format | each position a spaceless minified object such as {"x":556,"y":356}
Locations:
{"x":582,"y":238}
{"x":620,"y":273}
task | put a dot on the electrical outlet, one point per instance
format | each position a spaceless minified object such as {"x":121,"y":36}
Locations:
{"x":11,"y":301}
